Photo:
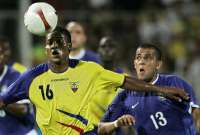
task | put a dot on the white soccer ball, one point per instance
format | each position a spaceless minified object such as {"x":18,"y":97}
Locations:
{"x":40,"y":18}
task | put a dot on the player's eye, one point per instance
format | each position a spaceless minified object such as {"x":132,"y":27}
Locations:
{"x":148,"y":57}
{"x":78,"y":32}
{"x":49,"y":42}
{"x":138,"y":57}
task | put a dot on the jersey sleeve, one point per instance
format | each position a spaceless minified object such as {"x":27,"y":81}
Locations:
{"x":180,"y":83}
{"x":115,"y":109}
{"x":18,"y":90}
{"x":109,"y":80}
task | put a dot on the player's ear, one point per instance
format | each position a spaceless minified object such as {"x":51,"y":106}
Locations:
{"x":159,"y":64}
{"x":46,"y":50}
{"x":69,"y":46}
{"x":134,"y":62}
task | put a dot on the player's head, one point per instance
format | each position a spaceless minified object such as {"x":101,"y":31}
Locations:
{"x":58,"y":45}
{"x":107,"y":49}
{"x":5,"y":50}
{"x":147,"y":61}
{"x":78,"y":35}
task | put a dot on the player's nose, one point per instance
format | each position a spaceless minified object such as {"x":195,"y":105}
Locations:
{"x":54,"y":45}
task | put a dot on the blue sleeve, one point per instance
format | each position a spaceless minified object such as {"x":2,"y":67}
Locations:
{"x":178,"y":82}
{"x":115,"y":109}
{"x":18,"y":90}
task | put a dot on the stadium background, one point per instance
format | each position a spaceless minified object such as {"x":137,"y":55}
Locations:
{"x":173,"y":24}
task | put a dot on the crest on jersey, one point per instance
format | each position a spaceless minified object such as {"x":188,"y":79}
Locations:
{"x":74,"y":86}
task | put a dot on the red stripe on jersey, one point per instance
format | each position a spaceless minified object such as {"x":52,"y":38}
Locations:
{"x":46,"y":24}
{"x":80,"y":130}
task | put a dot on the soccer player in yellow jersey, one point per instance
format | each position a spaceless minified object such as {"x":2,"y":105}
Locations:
{"x":107,"y":51}
{"x":61,"y":89}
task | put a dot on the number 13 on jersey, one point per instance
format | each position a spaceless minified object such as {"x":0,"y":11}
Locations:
{"x":158,"y":120}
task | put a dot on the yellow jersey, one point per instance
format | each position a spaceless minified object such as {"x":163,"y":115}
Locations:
{"x":62,"y":99}
{"x":100,"y":102}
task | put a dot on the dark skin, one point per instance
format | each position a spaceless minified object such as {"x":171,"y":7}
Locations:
{"x":107,"y":51}
{"x":58,"y":48}
{"x":18,"y":110}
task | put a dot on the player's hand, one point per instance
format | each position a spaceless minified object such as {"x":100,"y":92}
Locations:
{"x":176,"y":94}
{"x":125,"y":120}
{"x":1,"y":104}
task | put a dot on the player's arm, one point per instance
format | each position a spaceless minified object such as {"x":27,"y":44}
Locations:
{"x":131,"y":83}
{"x":15,"y":92}
{"x":194,"y":107}
{"x":17,"y":109}
{"x":196,"y":117}
{"x":116,"y":115}
{"x":111,"y":79}
{"x":105,"y":128}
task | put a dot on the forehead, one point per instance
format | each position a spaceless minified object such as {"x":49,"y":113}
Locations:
{"x":74,"y":27}
{"x":55,"y":35}
{"x":140,"y":51}
{"x":106,"y":42}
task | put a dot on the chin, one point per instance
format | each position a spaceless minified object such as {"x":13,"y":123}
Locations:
{"x":55,"y":61}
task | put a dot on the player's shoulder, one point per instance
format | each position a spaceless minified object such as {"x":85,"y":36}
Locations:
{"x":90,"y":65}
{"x":91,"y":53}
{"x":122,"y":94}
{"x":92,"y":56}
{"x":19,"y":67}
{"x":173,"y":78}
{"x":37,"y":70}
{"x":170,"y":77}
{"x":12,"y":72}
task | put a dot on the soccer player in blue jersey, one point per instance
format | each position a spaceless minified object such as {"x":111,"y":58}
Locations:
{"x":15,"y":119}
{"x":7,"y":52}
{"x":152,"y":114}
{"x":62,"y":88}
{"x":79,"y":39}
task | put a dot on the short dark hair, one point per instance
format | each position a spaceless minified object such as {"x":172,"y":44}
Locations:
{"x":64,"y":32}
{"x":152,"y":46}
{"x":4,"y":39}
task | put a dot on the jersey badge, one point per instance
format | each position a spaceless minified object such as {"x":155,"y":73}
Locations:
{"x":74,"y":86}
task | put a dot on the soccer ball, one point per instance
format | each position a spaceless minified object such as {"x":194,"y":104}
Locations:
{"x":40,"y":18}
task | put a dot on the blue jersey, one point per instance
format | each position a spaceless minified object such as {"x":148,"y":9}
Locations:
{"x":9,"y":123}
{"x":155,"y":115}
{"x":91,"y":56}
{"x":87,"y":55}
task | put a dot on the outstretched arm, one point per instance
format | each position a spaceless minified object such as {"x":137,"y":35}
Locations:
{"x":196,"y":117}
{"x":131,"y":83}
{"x":1,"y":103}
{"x":105,"y":128}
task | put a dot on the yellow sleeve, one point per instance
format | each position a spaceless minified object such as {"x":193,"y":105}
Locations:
{"x":109,"y":80}
{"x":18,"y":67}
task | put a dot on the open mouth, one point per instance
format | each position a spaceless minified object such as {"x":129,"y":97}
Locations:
{"x":142,"y":70}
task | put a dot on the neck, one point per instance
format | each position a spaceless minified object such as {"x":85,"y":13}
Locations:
{"x":110,"y":65}
{"x":59,"y":67}
{"x":75,"y":52}
{"x":153,"y":79}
